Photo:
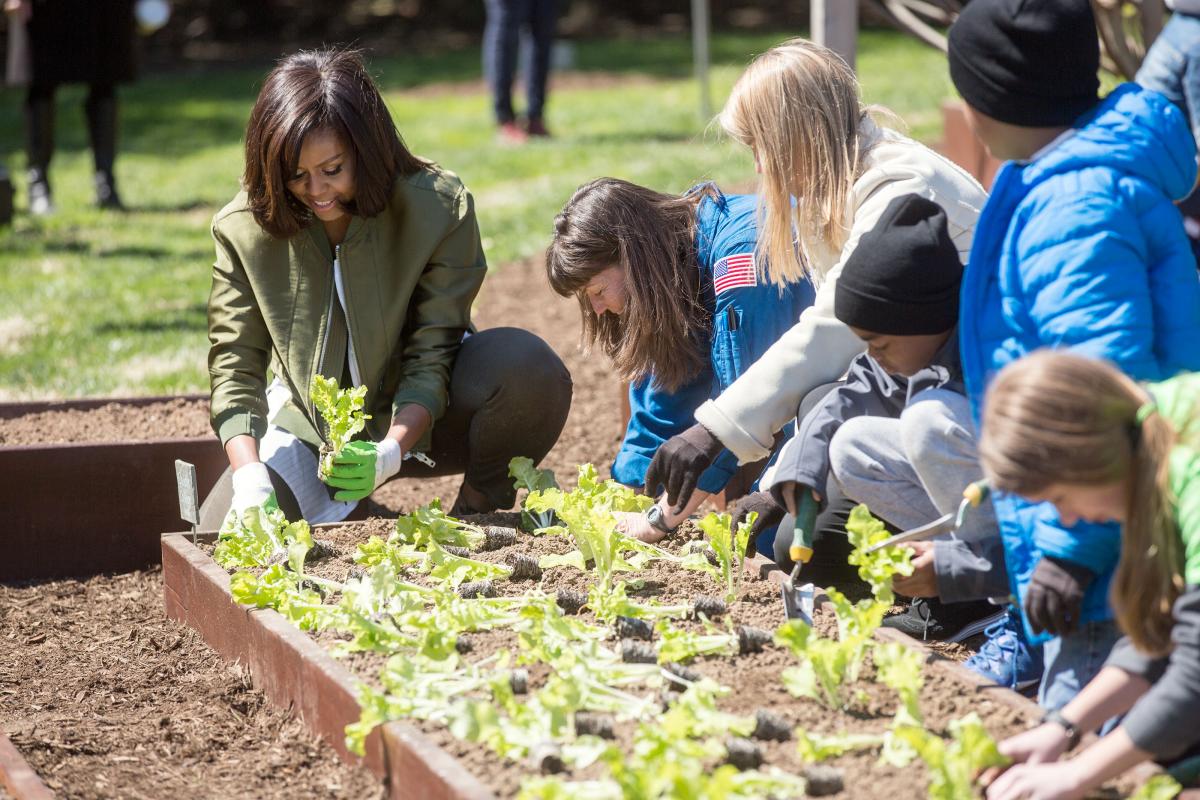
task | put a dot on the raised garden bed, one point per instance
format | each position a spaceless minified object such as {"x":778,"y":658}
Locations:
{"x":17,"y":778}
{"x":88,"y":485}
{"x":295,"y":669}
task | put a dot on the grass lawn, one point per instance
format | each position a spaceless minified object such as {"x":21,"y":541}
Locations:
{"x":96,"y":303}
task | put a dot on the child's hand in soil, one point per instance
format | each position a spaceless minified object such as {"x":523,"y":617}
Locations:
{"x":1044,"y":744}
{"x":634,"y":524}
{"x":923,"y":581}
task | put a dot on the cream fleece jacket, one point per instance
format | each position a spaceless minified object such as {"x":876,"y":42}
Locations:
{"x":818,"y":348}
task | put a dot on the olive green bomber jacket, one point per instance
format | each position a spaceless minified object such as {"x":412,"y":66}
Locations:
{"x":409,"y":274}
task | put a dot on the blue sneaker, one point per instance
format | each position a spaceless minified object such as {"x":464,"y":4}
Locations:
{"x":1006,"y":658}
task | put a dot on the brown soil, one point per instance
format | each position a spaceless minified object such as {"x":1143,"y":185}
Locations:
{"x":104,"y":697}
{"x":114,"y":422}
{"x":754,"y":678}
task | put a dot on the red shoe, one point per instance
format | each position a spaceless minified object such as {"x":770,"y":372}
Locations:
{"x":535,"y":127}
{"x":511,"y":133}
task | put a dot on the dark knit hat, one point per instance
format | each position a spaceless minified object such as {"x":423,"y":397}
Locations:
{"x":1027,"y":62}
{"x":902,"y":278}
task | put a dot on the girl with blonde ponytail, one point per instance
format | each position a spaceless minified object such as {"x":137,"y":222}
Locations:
{"x":828,"y":172}
{"x":1080,"y":434}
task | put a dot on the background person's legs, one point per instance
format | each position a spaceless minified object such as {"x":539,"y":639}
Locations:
{"x":101,"y":110}
{"x":39,"y":146}
{"x":501,"y":39}
{"x":542,"y":20}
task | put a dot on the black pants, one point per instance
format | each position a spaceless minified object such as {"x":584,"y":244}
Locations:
{"x":507,"y":20}
{"x":831,"y":545}
{"x":509,"y":396}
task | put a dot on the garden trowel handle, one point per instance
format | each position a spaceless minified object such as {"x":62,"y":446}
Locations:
{"x":973,"y":497}
{"x":806,"y":517}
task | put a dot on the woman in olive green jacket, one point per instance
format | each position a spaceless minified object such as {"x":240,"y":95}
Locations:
{"x":1076,"y":432}
{"x":347,"y":256}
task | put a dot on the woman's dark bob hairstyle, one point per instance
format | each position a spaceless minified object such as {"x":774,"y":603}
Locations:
{"x":311,"y":91}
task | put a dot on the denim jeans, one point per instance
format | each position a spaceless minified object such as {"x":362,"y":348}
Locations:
{"x":1172,"y":68}
{"x":507,"y":20}
{"x":1072,"y":661}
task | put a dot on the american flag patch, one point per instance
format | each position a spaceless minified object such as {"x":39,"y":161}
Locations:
{"x":733,"y":272}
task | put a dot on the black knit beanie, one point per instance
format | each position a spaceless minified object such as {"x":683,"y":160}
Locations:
{"x":903,"y":277}
{"x":1027,"y":62}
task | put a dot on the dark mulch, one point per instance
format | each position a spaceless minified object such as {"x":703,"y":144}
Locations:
{"x":105,"y":697}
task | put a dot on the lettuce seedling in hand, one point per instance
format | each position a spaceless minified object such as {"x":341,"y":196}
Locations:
{"x":342,"y":410}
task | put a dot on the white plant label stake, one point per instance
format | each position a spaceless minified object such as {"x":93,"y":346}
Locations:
{"x":185,"y":482}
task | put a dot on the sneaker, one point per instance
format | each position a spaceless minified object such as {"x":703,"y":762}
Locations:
{"x":41,"y":201}
{"x":536,"y":127}
{"x":510,"y":133}
{"x":1006,"y":658}
{"x":930,"y":618}
{"x":106,"y":192}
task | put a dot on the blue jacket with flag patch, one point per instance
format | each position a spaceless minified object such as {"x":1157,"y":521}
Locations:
{"x":1082,"y":248}
{"x":748,"y":316}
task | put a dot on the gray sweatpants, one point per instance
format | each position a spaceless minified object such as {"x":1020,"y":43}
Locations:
{"x":912,"y":470}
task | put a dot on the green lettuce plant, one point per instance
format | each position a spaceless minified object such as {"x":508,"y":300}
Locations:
{"x":342,"y":411}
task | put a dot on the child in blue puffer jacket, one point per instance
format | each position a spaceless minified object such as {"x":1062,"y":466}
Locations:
{"x":1079,"y":246}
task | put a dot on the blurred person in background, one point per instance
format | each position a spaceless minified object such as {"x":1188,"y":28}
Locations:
{"x":74,"y":41}
{"x":508,"y":21}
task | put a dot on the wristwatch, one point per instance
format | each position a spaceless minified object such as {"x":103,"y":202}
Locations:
{"x":658,"y":519}
{"x":1057,"y":718}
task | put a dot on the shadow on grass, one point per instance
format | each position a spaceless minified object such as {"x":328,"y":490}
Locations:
{"x":630,"y":137}
{"x":192,"y":319}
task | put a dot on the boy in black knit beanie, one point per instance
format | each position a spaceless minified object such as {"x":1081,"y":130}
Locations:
{"x":897,"y":435}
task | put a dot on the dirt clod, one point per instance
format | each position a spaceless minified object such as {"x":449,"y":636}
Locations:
{"x":743,"y":753}
{"x":771,"y":727}
{"x":752,"y":640}
{"x":823,"y":780}
{"x":570,"y":601}
{"x":630,"y":628}
{"x":496,"y":537}
{"x":469,"y":591}
{"x":591,"y":724}
{"x":545,"y":758}
{"x":711,"y":607}
{"x":634,"y":652}
{"x":524,"y":567}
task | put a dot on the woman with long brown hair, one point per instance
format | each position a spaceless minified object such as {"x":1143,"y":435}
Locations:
{"x":668,"y":290}
{"x":346,"y":256}
{"x":1078,"y":433}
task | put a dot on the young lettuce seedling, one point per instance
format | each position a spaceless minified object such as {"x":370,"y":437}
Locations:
{"x":531,"y":479}
{"x":342,"y":410}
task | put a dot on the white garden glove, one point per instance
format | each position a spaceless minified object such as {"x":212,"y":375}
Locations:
{"x":251,"y":487}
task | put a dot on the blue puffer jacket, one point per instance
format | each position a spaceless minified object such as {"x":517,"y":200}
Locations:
{"x":1083,"y":249}
{"x":748,"y":316}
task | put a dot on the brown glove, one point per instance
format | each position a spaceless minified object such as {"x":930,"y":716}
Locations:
{"x":678,"y":464}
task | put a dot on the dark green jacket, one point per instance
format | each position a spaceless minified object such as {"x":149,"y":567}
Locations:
{"x":410,"y":275}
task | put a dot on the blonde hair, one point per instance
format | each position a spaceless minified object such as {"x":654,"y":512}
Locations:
{"x":1058,"y":418}
{"x":797,"y":107}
